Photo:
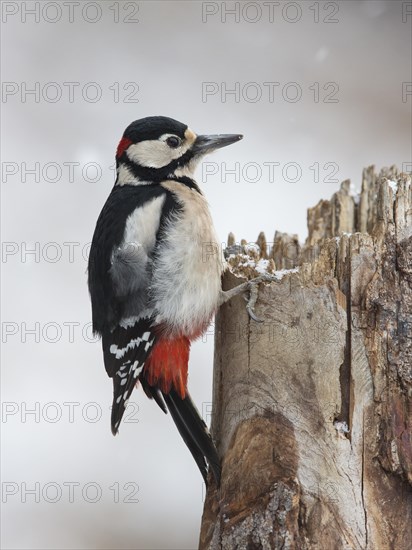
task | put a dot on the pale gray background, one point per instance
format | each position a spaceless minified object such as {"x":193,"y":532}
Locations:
{"x":168,"y":53}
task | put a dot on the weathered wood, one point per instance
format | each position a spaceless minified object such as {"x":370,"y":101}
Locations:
{"x":312,"y":408}
{"x":286,"y":251}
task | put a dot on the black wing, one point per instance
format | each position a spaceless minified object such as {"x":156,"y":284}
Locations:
{"x":125,"y":352}
{"x":108,"y":283}
{"x":119,"y":279}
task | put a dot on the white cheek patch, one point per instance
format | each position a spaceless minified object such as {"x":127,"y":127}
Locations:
{"x":150,"y":153}
{"x":156,"y":153}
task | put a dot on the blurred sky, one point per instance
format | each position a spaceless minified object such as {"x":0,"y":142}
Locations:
{"x":318,"y":96}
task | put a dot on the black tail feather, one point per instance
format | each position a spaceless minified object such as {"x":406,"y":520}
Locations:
{"x":194,"y":433}
{"x":187,"y":438}
{"x":153,"y":393}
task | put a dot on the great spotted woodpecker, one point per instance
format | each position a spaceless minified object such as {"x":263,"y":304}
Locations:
{"x":151,"y":289}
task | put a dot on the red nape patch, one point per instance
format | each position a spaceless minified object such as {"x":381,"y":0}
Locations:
{"x":123,"y":145}
{"x":167,"y":365}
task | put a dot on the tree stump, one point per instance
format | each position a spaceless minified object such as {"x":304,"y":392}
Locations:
{"x":312,"y":407}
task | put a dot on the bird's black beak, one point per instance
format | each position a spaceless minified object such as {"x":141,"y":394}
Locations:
{"x":207,"y":144}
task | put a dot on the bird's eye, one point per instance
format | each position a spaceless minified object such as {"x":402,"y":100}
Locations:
{"x":173,"y":142}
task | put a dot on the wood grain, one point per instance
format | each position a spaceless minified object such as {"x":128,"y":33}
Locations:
{"x":312,"y":407}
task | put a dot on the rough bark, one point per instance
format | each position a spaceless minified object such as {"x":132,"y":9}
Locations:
{"x":312,"y":407}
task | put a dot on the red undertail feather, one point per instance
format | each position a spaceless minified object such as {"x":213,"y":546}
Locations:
{"x":167,"y":365}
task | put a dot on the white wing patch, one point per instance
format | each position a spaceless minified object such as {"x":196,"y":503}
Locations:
{"x":143,"y":223}
{"x":130,"y":260}
{"x":120,"y":352}
{"x":133,"y":371}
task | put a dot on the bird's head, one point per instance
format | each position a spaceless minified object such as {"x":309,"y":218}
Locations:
{"x":156,"y":148}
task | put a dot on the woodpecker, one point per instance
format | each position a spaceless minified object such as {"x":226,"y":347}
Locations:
{"x":151,"y":290}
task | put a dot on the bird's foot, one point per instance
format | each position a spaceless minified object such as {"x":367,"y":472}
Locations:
{"x":250,"y":287}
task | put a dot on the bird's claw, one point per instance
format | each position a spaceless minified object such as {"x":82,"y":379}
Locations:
{"x":252,"y":315}
{"x":251,"y":287}
{"x":253,"y":294}
{"x":251,"y":301}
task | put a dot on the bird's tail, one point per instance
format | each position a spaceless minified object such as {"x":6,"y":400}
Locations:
{"x":194,"y":432}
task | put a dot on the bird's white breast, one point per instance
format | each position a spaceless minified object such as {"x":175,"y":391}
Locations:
{"x":188,"y":266}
